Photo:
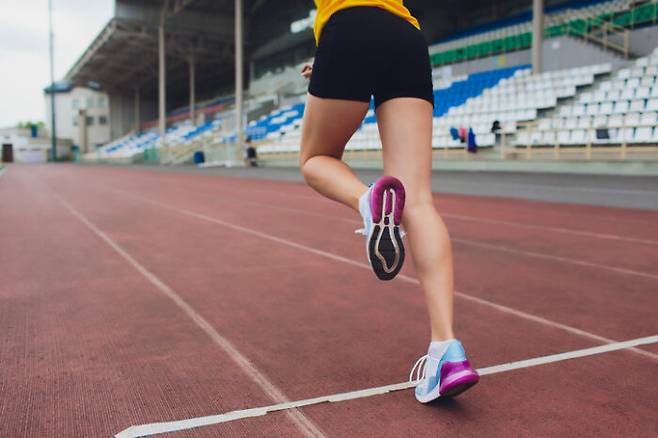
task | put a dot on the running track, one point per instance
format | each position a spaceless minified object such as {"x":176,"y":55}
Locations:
{"x":130,"y":297}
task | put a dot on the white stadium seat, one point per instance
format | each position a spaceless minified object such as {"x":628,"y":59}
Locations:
{"x":637,"y":105}
{"x":563,"y":137}
{"x":643,"y":135}
{"x":627,"y":135}
{"x":621,"y":107}
{"x":616,"y":121}
{"x":600,"y":120}
{"x":628,"y":93}
{"x":632,"y":119}
{"x":548,"y":138}
{"x":606,"y":108}
{"x":649,"y":119}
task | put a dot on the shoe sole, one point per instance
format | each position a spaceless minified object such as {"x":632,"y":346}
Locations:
{"x":384,"y":245}
{"x":460,"y":384}
{"x":452,"y":387}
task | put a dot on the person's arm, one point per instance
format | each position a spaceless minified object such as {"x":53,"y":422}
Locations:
{"x":307,"y":71}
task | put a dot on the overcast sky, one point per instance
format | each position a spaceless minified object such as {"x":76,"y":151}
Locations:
{"x":24,"y":70}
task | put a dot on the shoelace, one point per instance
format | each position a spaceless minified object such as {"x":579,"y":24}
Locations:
{"x":420,"y":368}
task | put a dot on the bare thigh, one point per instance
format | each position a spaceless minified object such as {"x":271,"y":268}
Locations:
{"x":405,"y":127}
{"x":328,"y":125}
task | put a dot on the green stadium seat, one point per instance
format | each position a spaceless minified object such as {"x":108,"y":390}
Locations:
{"x":486,"y":48}
{"x":511,"y":43}
{"x":525,"y":40}
{"x":640,"y":15}
{"x":497,"y":46}
{"x":472,"y":51}
{"x":644,"y":14}
{"x":624,"y":19}
{"x":578,"y":27}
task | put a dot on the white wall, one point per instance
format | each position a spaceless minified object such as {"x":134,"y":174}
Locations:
{"x":67,"y":107}
{"x":26,"y":149}
{"x":643,"y":41}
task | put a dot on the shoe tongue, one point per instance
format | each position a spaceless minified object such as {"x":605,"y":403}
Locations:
{"x":438,"y":349}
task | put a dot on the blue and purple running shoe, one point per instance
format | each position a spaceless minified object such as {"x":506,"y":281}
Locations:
{"x":444,"y":373}
{"x":381,"y":208}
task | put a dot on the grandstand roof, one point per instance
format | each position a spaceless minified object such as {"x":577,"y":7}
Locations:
{"x":124,"y":55}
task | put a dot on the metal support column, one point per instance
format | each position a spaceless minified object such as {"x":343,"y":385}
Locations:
{"x":53,"y":117}
{"x":138,"y":119}
{"x":192,"y":63}
{"x":537,"y":35}
{"x":238,"y":72}
{"x":162,"y":80}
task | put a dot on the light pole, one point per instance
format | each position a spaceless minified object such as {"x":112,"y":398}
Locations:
{"x":53,"y":128}
{"x":238,"y":74}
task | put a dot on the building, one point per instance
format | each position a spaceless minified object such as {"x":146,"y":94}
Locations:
{"x":83,"y":115}
{"x":22,"y":145}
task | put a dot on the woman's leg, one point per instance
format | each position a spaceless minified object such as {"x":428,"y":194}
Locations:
{"x":405,"y":126}
{"x":328,"y":125}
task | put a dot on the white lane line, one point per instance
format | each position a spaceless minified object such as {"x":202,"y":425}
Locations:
{"x":489,"y":246}
{"x":551,"y":229}
{"x":174,"y":426}
{"x":555,"y":258}
{"x":306,"y":426}
{"x":466,"y":218}
{"x":498,"y":307}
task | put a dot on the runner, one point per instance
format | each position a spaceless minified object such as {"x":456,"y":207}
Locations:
{"x":375,"y":48}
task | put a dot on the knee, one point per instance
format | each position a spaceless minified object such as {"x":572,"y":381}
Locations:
{"x":420,"y":207}
{"x":304,"y":168}
{"x":421,"y":213}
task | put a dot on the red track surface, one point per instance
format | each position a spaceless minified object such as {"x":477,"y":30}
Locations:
{"x":89,"y":346}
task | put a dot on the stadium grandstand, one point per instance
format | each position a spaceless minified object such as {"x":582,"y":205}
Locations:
{"x":554,"y":79}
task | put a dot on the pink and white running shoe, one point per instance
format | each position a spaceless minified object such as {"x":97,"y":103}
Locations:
{"x":381,"y":208}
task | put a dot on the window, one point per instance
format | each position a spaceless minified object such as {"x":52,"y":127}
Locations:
{"x":102,"y":102}
{"x":75,"y":121}
{"x":90,"y":102}
{"x":102,"y":120}
{"x":75,"y":104}
{"x":90,"y":120}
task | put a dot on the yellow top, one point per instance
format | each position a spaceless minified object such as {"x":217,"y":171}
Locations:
{"x":326,"y":8}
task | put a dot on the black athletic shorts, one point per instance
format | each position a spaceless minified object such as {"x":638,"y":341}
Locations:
{"x":368,"y":51}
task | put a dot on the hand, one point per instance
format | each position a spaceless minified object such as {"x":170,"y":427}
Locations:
{"x":307,"y":71}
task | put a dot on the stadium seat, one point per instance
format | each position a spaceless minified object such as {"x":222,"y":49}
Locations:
{"x":643,"y":135}
{"x":621,"y":107}
{"x":649,"y":119}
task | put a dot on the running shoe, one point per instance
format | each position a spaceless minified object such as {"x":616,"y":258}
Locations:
{"x":381,"y":208}
{"x":443,"y":373}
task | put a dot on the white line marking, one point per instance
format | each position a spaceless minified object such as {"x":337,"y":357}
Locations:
{"x":447,"y":215}
{"x":567,"y":260}
{"x":174,"y":426}
{"x":555,"y":258}
{"x":498,"y":307}
{"x":460,"y":217}
{"x":549,"y":228}
{"x":306,"y":426}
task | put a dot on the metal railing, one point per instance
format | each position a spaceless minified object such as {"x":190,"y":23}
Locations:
{"x":620,"y":145}
{"x":607,"y":35}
